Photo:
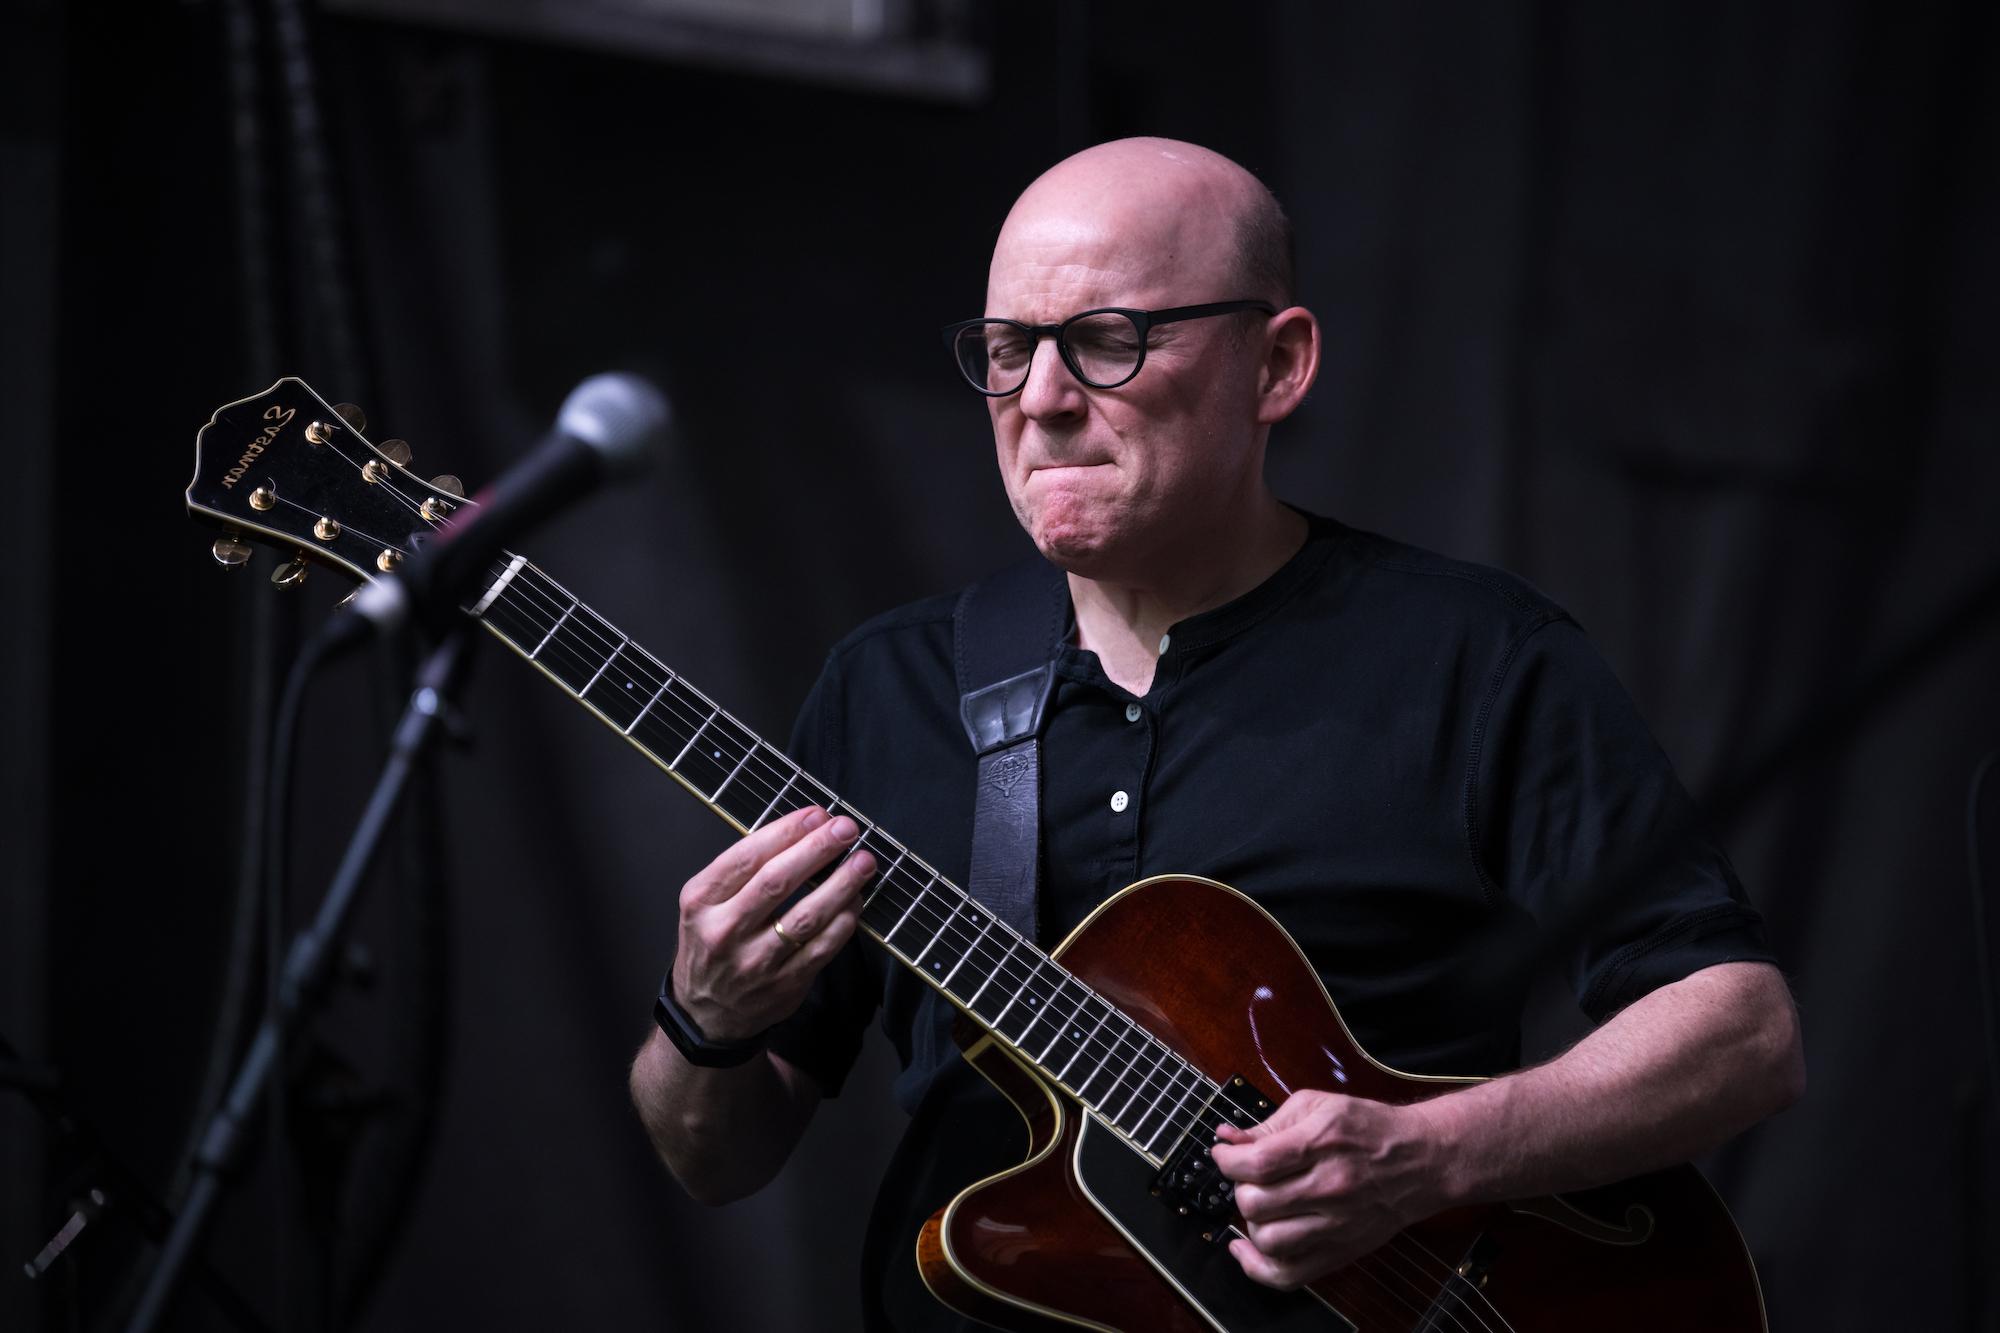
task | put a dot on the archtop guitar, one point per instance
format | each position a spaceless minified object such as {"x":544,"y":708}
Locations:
{"x":1178,"y":1005}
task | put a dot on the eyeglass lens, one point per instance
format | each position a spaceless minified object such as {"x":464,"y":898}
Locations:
{"x":1104,"y":350}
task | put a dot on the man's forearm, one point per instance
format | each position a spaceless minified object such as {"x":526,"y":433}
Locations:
{"x":1674,"y":1075}
{"x":722,"y":1132}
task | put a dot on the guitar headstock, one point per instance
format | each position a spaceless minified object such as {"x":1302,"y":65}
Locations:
{"x":289,"y":468}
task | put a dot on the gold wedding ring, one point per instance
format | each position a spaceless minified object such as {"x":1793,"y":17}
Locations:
{"x":779,"y":928}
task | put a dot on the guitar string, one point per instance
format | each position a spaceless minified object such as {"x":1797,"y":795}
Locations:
{"x":1375,"y":1264}
{"x":1030,"y":984}
{"x":1399,"y":1246}
{"x":1147,"y":1045}
{"x":755,"y":777}
{"x":1401,"y":1239}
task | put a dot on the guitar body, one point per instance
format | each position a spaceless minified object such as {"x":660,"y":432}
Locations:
{"x":1072,"y":1237}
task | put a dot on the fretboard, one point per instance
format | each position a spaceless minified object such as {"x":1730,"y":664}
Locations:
{"x":1074,"y":1036}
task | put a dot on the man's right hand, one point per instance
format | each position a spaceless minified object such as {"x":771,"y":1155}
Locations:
{"x":734,"y":974}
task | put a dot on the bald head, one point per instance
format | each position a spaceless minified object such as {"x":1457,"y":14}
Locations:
{"x":1196,"y":220}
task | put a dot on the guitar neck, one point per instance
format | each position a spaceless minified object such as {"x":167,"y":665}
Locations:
{"x":1017,"y":993}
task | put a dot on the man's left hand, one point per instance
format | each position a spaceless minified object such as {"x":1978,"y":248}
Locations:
{"x":1327,"y":1179}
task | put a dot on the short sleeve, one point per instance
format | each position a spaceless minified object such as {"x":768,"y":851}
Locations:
{"x":1577,"y":818}
{"x":823,"y":1037}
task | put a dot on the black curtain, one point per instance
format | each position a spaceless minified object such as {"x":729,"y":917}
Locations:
{"x":1681,"y":311}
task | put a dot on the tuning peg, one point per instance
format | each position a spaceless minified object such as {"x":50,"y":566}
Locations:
{"x":396,"y":451}
{"x":230,"y":551}
{"x":290,"y":574}
{"x":444,"y":481}
{"x":356,"y":419}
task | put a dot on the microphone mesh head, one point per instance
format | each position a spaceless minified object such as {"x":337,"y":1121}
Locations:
{"x":620,"y":416}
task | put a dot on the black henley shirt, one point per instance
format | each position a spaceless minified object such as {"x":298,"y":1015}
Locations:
{"x":1419,"y":766}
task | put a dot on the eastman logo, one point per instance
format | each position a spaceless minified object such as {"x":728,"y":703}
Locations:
{"x":279,"y":417}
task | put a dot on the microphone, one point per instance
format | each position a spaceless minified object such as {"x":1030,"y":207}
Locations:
{"x":605,"y":432}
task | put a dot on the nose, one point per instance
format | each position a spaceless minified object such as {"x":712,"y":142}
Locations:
{"x":1051,"y":392}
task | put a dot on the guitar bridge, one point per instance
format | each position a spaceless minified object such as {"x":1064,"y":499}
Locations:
{"x":1189,"y":1180}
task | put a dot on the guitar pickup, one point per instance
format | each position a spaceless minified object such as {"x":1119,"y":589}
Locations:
{"x":1189,"y":1180}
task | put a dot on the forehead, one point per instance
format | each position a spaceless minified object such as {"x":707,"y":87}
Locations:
{"x":1055,"y":257}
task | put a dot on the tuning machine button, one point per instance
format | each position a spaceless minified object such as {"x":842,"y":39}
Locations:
{"x":396,"y":451}
{"x":290,"y":574}
{"x":449,"y":484}
{"x":230,"y":551}
{"x":356,"y":419}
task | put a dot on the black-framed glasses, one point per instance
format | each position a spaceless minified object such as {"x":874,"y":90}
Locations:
{"x":1104,"y":347}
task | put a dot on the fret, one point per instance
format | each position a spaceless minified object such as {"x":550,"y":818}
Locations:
{"x":499,"y":585}
{"x":1171,"y":1115}
{"x":1033,"y":1007}
{"x":573,"y":605}
{"x":1005,"y":956}
{"x":1084,"y":1045}
{"x":675,"y":762}
{"x":1068,"y":1027}
{"x":575,"y":649}
{"x":1103,"y":1062}
{"x":1160,"y":1107}
{"x":915,"y":898}
{"x":969,"y":950}
{"x":716,"y":795}
{"x":595,"y":675}
{"x":1047,"y":1011}
{"x":718,"y":746}
{"x":1145,"y":1049}
{"x":742,"y":795}
{"x":625,"y":679}
{"x":1194,"y":1089}
{"x":636,"y":717}
{"x":758,"y":822}
{"x":879,"y":894}
{"x":513,"y":619}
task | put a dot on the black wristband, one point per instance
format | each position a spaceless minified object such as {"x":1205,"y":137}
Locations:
{"x":688,"y":1039}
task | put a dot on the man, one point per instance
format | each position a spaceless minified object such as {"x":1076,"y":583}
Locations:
{"x":1412,"y":762}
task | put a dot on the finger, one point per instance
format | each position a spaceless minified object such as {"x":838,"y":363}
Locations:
{"x":1288,"y":1239}
{"x":814,"y":954}
{"x":1268,"y":1203}
{"x":750,"y":910}
{"x":1261,"y":1267}
{"x":1263,"y":1161}
{"x":803,"y":919}
{"x":721,"y":878}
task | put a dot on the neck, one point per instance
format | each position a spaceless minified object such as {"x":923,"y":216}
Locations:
{"x":1122,"y":618}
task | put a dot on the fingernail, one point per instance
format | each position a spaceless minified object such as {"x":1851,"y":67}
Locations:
{"x":814,"y":818}
{"x":845,"y":829}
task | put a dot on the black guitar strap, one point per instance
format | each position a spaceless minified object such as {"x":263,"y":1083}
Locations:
{"x":1005,"y":632}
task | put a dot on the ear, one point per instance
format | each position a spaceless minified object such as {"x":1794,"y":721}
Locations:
{"x":1291,"y":364}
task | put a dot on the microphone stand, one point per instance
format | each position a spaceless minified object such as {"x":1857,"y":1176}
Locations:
{"x":305,"y":983}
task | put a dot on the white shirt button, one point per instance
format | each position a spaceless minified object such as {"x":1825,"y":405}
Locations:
{"x":1165,"y":639}
{"x":1119,"y":800}
{"x":1131,"y":712}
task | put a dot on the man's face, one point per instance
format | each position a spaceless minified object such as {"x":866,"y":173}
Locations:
{"x":1101,"y":478}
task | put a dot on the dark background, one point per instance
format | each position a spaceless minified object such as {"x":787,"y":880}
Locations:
{"x":1684,"y":312}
